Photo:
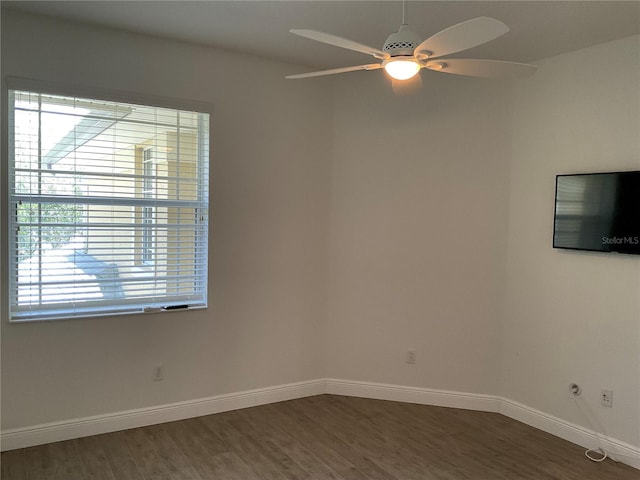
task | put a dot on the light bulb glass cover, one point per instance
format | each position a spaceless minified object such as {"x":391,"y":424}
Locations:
{"x":402,"y":69}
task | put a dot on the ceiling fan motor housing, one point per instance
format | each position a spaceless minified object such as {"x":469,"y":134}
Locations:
{"x":403,"y":42}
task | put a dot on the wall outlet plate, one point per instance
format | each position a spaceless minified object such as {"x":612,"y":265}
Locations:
{"x":606,"y":398}
{"x":158,"y":373}
{"x":411,"y":356}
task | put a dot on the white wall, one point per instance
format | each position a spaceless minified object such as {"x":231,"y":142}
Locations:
{"x":265,"y":325}
{"x":418,"y":231}
{"x":573,"y":316}
{"x":428,"y":191}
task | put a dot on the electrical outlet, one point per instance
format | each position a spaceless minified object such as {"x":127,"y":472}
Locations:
{"x":606,"y":398}
{"x":411,"y":356}
{"x":158,"y":373}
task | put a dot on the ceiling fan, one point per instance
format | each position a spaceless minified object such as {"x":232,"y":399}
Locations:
{"x":404,"y":53}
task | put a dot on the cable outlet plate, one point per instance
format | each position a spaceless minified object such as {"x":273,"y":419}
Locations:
{"x":606,"y":398}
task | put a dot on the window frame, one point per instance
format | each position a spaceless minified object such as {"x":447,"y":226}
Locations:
{"x":147,"y":250}
{"x":97,"y":93}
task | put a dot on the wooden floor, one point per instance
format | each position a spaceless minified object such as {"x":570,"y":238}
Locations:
{"x":322,"y":437}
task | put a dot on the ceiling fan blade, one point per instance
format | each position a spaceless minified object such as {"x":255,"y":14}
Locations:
{"x":340,"y":42}
{"x":462,"y":36}
{"x":482,"y":68}
{"x":371,"y":66}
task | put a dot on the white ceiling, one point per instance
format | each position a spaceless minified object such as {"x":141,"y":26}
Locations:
{"x":538,"y":29}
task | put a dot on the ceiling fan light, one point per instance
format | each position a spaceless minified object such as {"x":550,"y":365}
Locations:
{"x":402,"y":69}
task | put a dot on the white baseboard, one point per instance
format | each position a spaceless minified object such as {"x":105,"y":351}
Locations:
{"x":82,"y":427}
{"x":141,"y":417}
{"x":616,"y":449}
{"x":424,"y":396}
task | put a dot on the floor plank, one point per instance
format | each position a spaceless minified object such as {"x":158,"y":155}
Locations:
{"x":149,"y":462}
{"x":245,"y":445}
{"x":14,"y":465}
{"x":94,"y":458}
{"x":173,"y":458}
{"x":123,"y":465}
{"x":325,"y":437}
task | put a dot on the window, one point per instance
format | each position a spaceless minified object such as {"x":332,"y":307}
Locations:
{"x":108,"y":207}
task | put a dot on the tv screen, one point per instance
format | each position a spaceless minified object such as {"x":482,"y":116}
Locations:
{"x":598,"y":212}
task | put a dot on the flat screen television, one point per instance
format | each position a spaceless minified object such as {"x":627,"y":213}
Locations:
{"x":598,"y":212}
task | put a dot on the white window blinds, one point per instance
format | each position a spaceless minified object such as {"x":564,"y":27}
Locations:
{"x":108,"y":207}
